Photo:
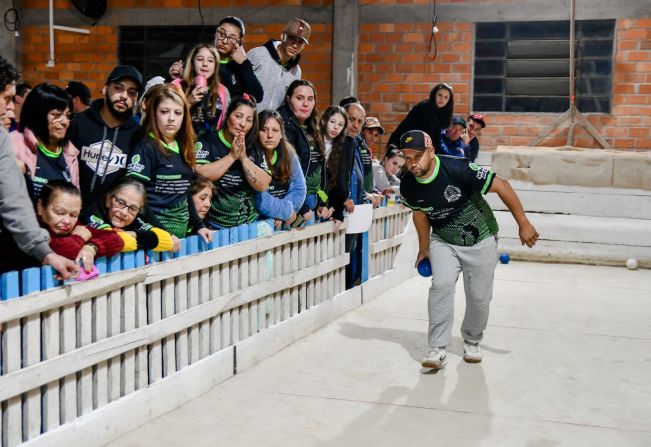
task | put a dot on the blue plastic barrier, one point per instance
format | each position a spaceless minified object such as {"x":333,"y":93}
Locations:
{"x":16,"y":284}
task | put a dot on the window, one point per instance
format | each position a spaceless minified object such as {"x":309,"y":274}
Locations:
{"x":153,"y":49}
{"x":524,"y":66}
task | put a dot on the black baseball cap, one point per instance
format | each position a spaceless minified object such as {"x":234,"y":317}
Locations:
{"x":126,"y":71}
{"x":459,"y":120}
{"x":416,"y":140}
{"x":80,"y":90}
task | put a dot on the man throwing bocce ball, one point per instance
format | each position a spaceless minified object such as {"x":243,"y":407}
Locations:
{"x":457,"y":232}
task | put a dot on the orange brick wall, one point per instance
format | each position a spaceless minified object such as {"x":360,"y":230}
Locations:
{"x":89,"y":58}
{"x":395,"y":71}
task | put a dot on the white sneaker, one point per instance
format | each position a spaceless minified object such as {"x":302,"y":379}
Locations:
{"x":471,"y":353}
{"x":435,"y":359}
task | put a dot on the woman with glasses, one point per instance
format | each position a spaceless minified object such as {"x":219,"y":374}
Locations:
{"x":123,"y":209}
{"x":235,"y":69}
{"x":431,"y":116}
{"x":41,"y":143}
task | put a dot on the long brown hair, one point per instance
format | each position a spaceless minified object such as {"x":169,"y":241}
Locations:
{"x":189,"y":75}
{"x":333,"y":164}
{"x":282,"y":170}
{"x":311,"y":122}
{"x":185,"y":136}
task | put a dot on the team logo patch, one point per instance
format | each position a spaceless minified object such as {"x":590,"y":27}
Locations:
{"x":482,"y":173}
{"x":135,"y":165}
{"x":408,"y":139}
{"x":90,"y":155}
{"x":452,"y":193}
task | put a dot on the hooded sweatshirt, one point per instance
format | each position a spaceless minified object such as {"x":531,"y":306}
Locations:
{"x":425,"y":116}
{"x":97,"y":144}
{"x":273,"y":76}
{"x":240,"y":79}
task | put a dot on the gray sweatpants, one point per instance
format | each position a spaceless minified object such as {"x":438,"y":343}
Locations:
{"x":478,"y":264}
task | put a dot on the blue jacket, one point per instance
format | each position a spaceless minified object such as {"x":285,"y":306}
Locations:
{"x":281,"y":208}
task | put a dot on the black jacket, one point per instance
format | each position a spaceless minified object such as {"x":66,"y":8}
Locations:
{"x":239,"y":79}
{"x":94,"y":139}
{"x":298,"y":138}
{"x":425,"y":116}
{"x":340,"y":173}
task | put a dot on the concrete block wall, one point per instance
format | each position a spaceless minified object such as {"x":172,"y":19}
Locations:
{"x":394,"y":71}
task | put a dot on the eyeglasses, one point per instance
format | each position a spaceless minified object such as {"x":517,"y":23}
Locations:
{"x":221,"y":35}
{"x":121,"y":204}
{"x":58,"y":117}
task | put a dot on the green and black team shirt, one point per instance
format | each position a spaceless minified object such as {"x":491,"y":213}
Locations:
{"x":276,"y":188}
{"x":233,"y":202}
{"x":315,"y":168}
{"x":452,"y":200}
{"x":367,"y":164}
{"x":167,"y":180}
{"x":49,"y":166}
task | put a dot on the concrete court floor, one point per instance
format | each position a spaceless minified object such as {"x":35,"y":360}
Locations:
{"x":567,"y":362}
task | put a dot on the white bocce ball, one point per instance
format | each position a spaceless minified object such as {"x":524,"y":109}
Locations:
{"x":631,"y":264}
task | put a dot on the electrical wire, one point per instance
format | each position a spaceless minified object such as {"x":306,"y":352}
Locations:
{"x":12,"y":19}
{"x":433,"y":46}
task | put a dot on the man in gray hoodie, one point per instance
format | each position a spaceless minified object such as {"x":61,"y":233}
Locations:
{"x":276,"y":63}
{"x":17,"y":215}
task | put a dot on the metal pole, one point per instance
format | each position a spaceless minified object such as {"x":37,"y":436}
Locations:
{"x":570,"y":133}
{"x":50,"y":62}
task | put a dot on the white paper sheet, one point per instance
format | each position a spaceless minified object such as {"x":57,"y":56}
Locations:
{"x":359,"y":220}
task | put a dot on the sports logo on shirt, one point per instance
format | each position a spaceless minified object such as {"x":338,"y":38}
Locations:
{"x":90,"y":154}
{"x":482,"y":173}
{"x":135,"y":165}
{"x":200,"y":152}
{"x":452,"y":193}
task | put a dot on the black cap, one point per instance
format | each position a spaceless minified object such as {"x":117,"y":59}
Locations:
{"x":459,"y":120}
{"x":80,"y":90}
{"x":126,"y":71}
{"x":415,"y":140}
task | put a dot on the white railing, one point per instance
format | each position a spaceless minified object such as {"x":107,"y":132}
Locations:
{"x":77,"y":351}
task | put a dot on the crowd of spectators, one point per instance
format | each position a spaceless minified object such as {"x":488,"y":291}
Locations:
{"x":224,"y":138}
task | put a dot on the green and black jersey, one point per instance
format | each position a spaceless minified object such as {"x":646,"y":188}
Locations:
{"x":367,"y":164}
{"x":233,"y":203}
{"x":167,"y":180}
{"x":452,"y":200}
{"x":49,"y":166}
{"x":315,"y":167}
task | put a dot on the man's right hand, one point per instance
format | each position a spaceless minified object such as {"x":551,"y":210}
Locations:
{"x":65,"y":267}
{"x":421,"y":255}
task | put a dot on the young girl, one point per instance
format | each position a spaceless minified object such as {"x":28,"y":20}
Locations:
{"x":334,"y":122}
{"x":384,"y":174}
{"x":286,"y":193}
{"x":235,"y":164}
{"x":207,"y":96}
{"x":58,"y":208}
{"x":122,"y":209}
{"x":299,"y":116}
{"x":430,"y":116}
{"x":164,"y":159}
{"x":41,"y":141}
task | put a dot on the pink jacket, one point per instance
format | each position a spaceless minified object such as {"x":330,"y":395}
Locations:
{"x":25,"y":147}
